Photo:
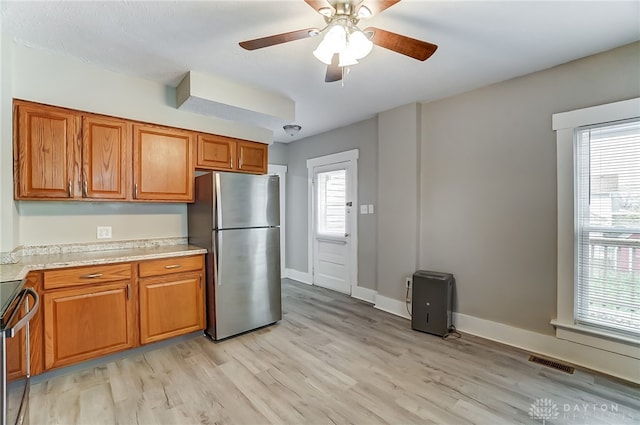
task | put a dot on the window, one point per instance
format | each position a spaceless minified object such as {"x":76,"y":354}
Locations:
{"x":607,"y":217}
{"x":331,"y":202}
{"x":596,"y":203}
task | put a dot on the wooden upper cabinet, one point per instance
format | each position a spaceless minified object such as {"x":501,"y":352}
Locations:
{"x":106,"y":158}
{"x":45,"y":151}
{"x":216,"y":152}
{"x":228,"y":154}
{"x":252,"y":157}
{"x":163,"y":166}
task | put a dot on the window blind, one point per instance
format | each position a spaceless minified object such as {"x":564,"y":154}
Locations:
{"x":331,"y":213}
{"x":607,"y":208}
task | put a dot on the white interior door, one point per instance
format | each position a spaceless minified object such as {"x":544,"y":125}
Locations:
{"x":333,"y":223}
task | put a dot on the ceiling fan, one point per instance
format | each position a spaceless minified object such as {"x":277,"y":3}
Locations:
{"x":344,"y":43}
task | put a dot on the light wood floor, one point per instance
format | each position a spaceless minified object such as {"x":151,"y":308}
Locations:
{"x":331,"y":359}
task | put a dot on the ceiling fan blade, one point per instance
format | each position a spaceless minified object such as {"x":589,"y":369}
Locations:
{"x":272,"y":40}
{"x":317,"y":4}
{"x":334,"y":72}
{"x":417,"y":49}
{"x":377,"y":6}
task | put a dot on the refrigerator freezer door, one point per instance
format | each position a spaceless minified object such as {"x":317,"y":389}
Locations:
{"x":243,"y":200}
{"x":247,"y":280}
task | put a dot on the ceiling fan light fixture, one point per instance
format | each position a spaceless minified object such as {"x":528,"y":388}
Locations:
{"x":337,"y":37}
{"x":359,"y":45}
{"x":364,"y":12}
{"x":326,"y":11}
{"x":291,"y":129}
{"x":324,"y":52}
{"x":346,"y":58}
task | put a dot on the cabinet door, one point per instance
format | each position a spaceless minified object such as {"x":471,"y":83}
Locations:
{"x":16,"y":346}
{"x":170,"y":306}
{"x":252,"y":157}
{"x":84,"y":323}
{"x":46,"y":151}
{"x":216,"y":152}
{"x":16,"y":364}
{"x":163,"y":168}
{"x":106,"y":158}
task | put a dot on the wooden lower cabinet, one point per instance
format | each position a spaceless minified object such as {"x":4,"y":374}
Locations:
{"x":87,"y":322}
{"x":171,"y":305}
{"x":88,"y":312}
{"x":16,"y":346}
{"x":15,"y":356}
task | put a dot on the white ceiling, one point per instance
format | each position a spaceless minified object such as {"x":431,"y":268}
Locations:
{"x":480,"y":42}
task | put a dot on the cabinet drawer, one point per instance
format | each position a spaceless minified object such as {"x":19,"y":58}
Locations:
{"x":170,"y":265}
{"x":86,"y":275}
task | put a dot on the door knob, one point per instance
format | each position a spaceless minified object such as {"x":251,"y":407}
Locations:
{"x":346,"y":235}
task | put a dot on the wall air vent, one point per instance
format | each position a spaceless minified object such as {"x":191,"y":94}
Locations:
{"x":552,"y":364}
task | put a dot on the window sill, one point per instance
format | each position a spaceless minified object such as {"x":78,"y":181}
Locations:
{"x":603,"y":340}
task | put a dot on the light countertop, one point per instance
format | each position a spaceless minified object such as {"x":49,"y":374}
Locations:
{"x":19,"y":270}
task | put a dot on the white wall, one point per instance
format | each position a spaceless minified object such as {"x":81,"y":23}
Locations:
{"x":40,"y":76}
{"x":52,"y":222}
{"x":9,"y":235}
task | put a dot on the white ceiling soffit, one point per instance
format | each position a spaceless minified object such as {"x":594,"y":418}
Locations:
{"x":223,"y":98}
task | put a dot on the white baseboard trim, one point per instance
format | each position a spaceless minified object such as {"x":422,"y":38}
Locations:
{"x":303,"y":277}
{"x":547,"y":345}
{"x":606,"y":362}
{"x":364,"y":294}
{"x":391,"y":306}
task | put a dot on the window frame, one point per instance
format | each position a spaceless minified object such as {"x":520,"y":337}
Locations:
{"x":565,"y":124}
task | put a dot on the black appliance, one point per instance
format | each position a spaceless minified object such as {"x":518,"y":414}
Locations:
{"x":432,"y":301}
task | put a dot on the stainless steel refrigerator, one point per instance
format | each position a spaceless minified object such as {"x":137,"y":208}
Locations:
{"x":237,"y":218}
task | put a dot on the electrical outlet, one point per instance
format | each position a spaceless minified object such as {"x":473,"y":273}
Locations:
{"x":363,"y":209}
{"x":104,"y":232}
{"x":408,"y":281}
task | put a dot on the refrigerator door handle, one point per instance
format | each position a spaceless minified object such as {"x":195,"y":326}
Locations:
{"x":218,"y":205}
{"x":217,"y":247}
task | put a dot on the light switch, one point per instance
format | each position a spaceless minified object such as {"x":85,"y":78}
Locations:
{"x":363,"y":209}
{"x":370,"y":208}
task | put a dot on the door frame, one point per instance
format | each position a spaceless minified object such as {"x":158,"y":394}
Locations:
{"x":350,"y":156}
{"x":281,"y":171}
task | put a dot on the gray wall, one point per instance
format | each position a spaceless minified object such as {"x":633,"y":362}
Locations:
{"x":362,"y":136}
{"x":278,"y":153}
{"x":488,"y":184}
{"x":398,"y":198}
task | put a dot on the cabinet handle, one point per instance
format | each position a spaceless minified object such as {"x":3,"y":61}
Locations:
{"x":128,"y":291}
{"x":135,"y":191}
{"x":85,"y":189}
{"x":90,"y":276}
{"x":200,"y":285}
{"x":173,"y":266}
{"x":240,"y":162}
{"x":231,"y":162}
{"x":69,"y":188}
